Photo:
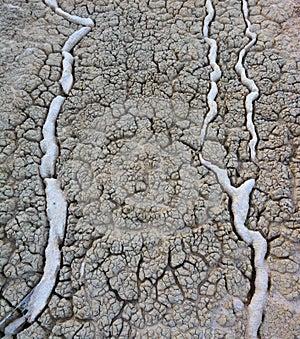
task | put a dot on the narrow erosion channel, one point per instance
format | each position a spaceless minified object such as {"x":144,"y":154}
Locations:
{"x":239,"y":196}
{"x":35,"y":302}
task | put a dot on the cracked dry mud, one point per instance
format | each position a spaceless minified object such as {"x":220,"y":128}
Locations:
{"x":150,"y":169}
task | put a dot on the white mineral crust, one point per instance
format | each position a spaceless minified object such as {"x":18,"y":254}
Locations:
{"x":240,"y":206}
{"x":249,"y":83}
{"x":49,"y":144}
{"x":74,"y":39}
{"x":55,"y":200}
{"x":56,"y":212}
{"x":215,"y":75}
{"x":66,"y":79}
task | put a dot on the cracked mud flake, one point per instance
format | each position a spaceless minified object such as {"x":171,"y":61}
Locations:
{"x":150,"y":248}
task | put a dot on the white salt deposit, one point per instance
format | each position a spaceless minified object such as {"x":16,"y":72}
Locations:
{"x":75,"y":38}
{"x":240,"y":197}
{"x":66,"y":79}
{"x":56,"y":203}
{"x":49,"y":144}
{"x":57,"y":206}
{"x":51,"y":3}
{"x":215,"y":75}
{"x":74,"y":18}
{"x":56,"y":212}
{"x":49,"y":125}
{"x":250,"y":84}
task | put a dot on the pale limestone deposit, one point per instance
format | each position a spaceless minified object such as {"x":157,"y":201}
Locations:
{"x":150,"y":169}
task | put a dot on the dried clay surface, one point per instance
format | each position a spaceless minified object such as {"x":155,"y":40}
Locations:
{"x":150,"y":169}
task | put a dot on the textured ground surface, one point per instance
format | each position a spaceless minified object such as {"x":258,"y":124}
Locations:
{"x":150,"y":250}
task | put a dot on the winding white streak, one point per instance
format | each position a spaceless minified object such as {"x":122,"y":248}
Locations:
{"x":75,"y":38}
{"x":240,"y":197}
{"x":48,"y":144}
{"x":249,"y":83}
{"x":14,"y":327}
{"x":215,"y":75}
{"x":52,"y":4}
{"x":74,"y":18}
{"x":259,"y":298}
{"x":56,"y":203}
{"x":56,"y":212}
{"x":208,"y":19}
{"x":66,"y":79}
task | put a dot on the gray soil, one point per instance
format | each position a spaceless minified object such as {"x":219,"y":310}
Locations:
{"x":150,"y":247}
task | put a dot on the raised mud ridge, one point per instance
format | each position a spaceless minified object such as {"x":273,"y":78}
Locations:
{"x":240,"y":196}
{"x":56,"y":211}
